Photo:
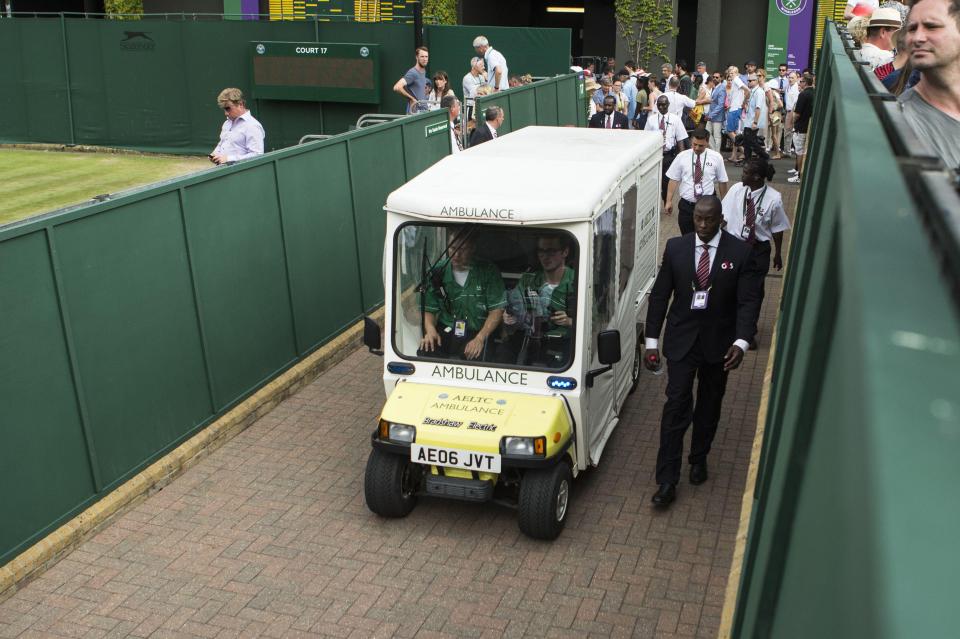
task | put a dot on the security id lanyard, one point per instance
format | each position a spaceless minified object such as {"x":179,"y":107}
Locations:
{"x":700,"y":298}
{"x":747,"y":230}
{"x":697,"y":184}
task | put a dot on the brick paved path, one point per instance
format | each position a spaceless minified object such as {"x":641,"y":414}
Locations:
{"x":269,"y":537}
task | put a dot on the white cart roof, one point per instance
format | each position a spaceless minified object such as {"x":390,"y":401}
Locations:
{"x":532,"y":176}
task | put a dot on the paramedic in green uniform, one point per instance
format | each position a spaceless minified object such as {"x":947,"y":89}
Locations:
{"x":461,"y":316}
{"x":543,"y":312}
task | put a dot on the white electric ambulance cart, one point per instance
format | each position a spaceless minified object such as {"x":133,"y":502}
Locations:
{"x":516,"y":273}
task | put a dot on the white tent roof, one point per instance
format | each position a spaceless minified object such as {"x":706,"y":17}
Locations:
{"x":534,"y":175}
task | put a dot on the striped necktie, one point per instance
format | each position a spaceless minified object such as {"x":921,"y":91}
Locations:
{"x":703,"y":267}
{"x":751,"y":219}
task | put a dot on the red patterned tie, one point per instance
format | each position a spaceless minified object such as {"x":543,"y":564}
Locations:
{"x":703,"y":267}
{"x":663,"y":126}
{"x":698,"y":172}
{"x":609,"y":124}
{"x":751,"y":219}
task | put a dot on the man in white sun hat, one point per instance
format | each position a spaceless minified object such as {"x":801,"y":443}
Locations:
{"x":877,"y":47}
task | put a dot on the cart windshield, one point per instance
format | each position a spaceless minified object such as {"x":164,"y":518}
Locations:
{"x":499,"y":296}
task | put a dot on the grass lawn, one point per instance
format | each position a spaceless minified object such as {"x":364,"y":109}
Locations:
{"x":33,"y":182}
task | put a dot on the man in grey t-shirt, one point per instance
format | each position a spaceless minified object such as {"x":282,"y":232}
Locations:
{"x":413,"y":85}
{"x":931,"y":107}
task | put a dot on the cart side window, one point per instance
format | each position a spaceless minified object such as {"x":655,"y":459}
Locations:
{"x":499,"y":296}
{"x":604,"y":268}
{"x":628,"y":236}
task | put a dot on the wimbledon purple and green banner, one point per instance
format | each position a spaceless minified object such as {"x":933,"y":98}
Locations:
{"x":789,"y":33}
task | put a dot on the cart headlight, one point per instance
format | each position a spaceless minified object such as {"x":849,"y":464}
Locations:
{"x":397,"y":432}
{"x":525,"y":446}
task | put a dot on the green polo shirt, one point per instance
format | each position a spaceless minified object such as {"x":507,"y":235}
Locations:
{"x":481,"y":293}
{"x":558,"y":299}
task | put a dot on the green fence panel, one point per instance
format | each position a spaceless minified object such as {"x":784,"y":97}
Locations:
{"x":320,"y":243}
{"x":373,"y":178}
{"x":547,"y":108}
{"x":131,"y":323}
{"x":522,"y":105}
{"x":44,"y":469}
{"x":236,"y":244}
{"x":33,"y":81}
{"x":854,"y":519}
{"x":126,"y":281}
{"x":422,"y":141}
{"x":539,"y":52}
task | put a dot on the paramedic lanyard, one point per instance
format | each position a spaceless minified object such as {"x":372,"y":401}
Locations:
{"x":747,"y":231}
{"x":697,"y":184}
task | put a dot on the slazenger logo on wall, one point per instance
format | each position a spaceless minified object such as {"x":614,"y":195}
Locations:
{"x":791,"y":7}
{"x":137,"y":41}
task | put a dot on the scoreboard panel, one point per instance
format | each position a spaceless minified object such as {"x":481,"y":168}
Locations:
{"x":316,"y":71}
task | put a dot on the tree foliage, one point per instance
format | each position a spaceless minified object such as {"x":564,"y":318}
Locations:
{"x":115,"y":7}
{"x":445,"y":11}
{"x":642,"y":25}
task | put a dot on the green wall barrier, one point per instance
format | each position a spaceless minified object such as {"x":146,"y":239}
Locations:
{"x":855,"y":515}
{"x":129,"y":325}
{"x":77,"y":81}
{"x":555,"y":101}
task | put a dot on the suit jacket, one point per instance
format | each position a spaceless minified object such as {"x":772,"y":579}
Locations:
{"x":619,"y":120}
{"x":480,"y":134}
{"x":732,"y":307}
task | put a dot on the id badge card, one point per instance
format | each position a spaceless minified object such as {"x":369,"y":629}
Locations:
{"x":745,"y":232}
{"x":697,"y":190}
{"x":460,"y":328}
{"x":699,"y":302}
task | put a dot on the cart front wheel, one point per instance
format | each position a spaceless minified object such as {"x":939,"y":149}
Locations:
{"x":545,"y":501}
{"x":390,"y":484}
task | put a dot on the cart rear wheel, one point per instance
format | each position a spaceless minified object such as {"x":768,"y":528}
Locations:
{"x":390,"y":484}
{"x":545,"y":501}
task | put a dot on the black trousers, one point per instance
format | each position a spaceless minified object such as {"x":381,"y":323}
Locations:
{"x":760,"y":257}
{"x":668,"y":158}
{"x":680,"y":410}
{"x":750,"y":142}
{"x":685,"y":216}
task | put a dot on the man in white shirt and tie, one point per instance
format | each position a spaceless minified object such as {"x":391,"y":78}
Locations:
{"x":673,"y":133}
{"x":695,"y":171}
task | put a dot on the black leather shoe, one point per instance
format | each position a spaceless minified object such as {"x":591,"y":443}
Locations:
{"x":665,"y":495}
{"x":698,"y":473}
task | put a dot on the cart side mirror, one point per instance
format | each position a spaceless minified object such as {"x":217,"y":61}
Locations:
{"x":608,"y":347}
{"x":371,"y":336}
{"x":608,"y":353}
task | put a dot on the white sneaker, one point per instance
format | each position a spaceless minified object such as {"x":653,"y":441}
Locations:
{"x":794,"y":180}
{"x":792,"y":171}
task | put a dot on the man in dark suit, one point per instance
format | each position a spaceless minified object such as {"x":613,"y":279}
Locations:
{"x":711,"y":321}
{"x":493,"y":118}
{"x":609,"y":118}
